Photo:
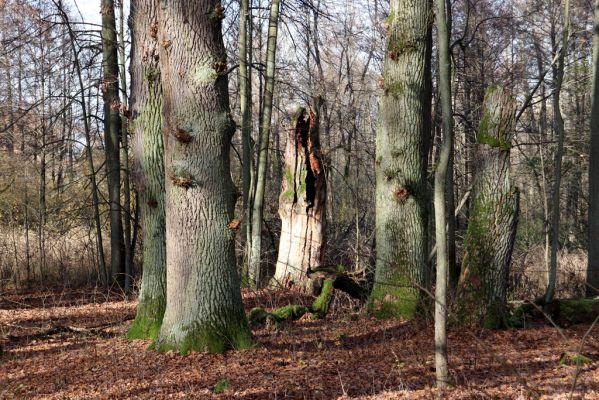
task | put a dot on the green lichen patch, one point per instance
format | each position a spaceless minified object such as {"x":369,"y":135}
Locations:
{"x":203,"y":75}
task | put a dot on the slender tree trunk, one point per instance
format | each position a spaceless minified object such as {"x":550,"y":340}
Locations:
{"x":264,"y":139}
{"x":593,"y":249}
{"x":112,"y":138}
{"x":450,"y":188}
{"x":204,"y":311}
{"x":402,"y":193}
{"x":125,"y":154}
{"x":9,"y":142}
{"x":42,"y":172}
{"x":26,"y":226}
{"x":146,"y":108}
{"x":489,"y":240}
{"x":302,"y":204}
{"x":561,"y":133}
{"x":245,"y":108}
{"x":440,"y":192}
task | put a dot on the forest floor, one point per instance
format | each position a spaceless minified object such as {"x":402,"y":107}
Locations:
{"x":69,"y":344}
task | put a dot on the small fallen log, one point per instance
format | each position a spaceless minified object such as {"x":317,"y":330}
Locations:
{"x":58,"y":329}
{"x":342,"y":280}
{"x":331,"y":278}
{"x":258,"y":316}
{"x":320,"y":307}
{"x":563,"y":312}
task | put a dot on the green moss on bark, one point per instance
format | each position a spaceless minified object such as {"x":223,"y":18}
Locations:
{"x":148,"y":320}
{"x":208,"y":339}
{"x":320,"y":307}
{"x":289,"y":313}
{"x":258,"y":316}
{"x":398,"y":301}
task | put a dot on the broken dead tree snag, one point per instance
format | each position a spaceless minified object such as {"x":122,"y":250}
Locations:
{"x":302,"y":204}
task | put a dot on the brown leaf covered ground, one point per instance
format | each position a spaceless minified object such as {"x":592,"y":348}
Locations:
{"x":349,"y":355}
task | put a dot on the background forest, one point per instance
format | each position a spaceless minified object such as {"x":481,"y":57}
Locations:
{"x":350,"y":130}
{"x":335,"y":51}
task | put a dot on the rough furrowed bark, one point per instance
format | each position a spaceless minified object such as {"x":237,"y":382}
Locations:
{"x":302,"y":205}
{"x":148,"y":166}
{"x":204,"y":311}
{"x":491,"y":232}
{"x":402,"y":193}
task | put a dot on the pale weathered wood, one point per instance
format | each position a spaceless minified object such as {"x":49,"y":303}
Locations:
{"x":302,"y":205}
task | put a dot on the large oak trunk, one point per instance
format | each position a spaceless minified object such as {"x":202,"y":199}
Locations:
{"x":402,"y":193}
{"x":493,"y":220}
{"x":204,"y":311}
{"x":302,"y":205}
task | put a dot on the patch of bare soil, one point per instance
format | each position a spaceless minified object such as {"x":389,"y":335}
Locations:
{"x":71,"y":345}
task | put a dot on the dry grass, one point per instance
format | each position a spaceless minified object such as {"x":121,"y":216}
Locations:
{"x":70,"y":257}
{"x":528,"y":275}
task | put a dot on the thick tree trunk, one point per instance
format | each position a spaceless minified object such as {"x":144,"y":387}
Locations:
{"x":402,"y":193}
{"x":302,"y":205}
{"x":491,"y":230}
{"x":148,"y":166}
{"x":593,"y":267}
{"x":204,"y":311}
{"x":112,"y":133}
{"x":255,"y":247}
